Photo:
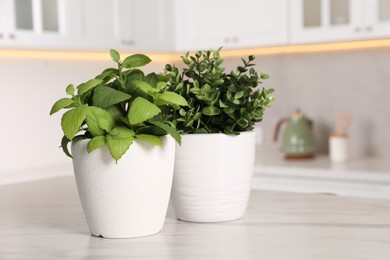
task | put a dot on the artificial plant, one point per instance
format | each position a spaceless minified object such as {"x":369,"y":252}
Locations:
{"x":217,"y":101}
{"x":118,"y":106}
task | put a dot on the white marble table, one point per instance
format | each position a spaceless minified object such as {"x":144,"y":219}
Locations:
{"x":43,"y":220}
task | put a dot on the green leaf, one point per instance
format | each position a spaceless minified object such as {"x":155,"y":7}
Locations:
{"x":161,"y":85}
{"x":60,"y":104}
{"x":72,"y":120}
{"x":264,"y":76}
{"x":151,"y":130}
{"x":105,"y":97}
{"x":115,"y":112}
{"x":136,"y":60}
{"x":151,"y":79}
{"x":107,"y":74}
{"x":142,"y":110}
{"x":170,"y":130}
{"x":70,"y":90}
{"x":121,"y":132}
{"x":144,"y":86}
{"x":134,"y":74}
{"x":105,"y":123}
{"x":239,"y":94}
{"x":90,"y":84}
{"x":242,"y":122}
{"x":115,"y":55}
{"x":119,"y":141}
{"x":182,"y":112}
{"x":170,"y":98}
{"x":189,"y":123}
{"x":211,"y":111}
{"x":98,"y":121}
{"x":155,"y":140}
{"x":96,"y":142}
{"x":197,"y":115}
{"x":222,"y":105}
{"x":64,"y":145}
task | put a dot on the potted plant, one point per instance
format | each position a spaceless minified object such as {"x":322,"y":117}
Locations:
{"x":122,"y":157}
{"x":214,"y":165}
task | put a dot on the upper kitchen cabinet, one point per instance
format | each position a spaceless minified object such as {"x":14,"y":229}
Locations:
{"x":34,"y":23}
{"x":144,"y":25}
{"x":233,"y":24}
{"x":97,"y":25}
{"x":128,"y":24}
{"x":377,"y":18}
{"x":338,"y":20}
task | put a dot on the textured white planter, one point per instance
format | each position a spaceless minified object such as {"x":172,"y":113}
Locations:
{"x":212,"y":179}
{"x":127,"y":199}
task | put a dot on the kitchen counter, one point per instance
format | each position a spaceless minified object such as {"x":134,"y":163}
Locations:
{"x":43,"y":220}
{"x":359,"y":177}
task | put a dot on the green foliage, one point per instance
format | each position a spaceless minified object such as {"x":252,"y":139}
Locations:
{"x":118,"y":106}
{"x":217,"y":101}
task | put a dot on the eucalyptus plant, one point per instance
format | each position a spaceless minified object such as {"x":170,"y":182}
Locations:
{"x":118,"y":106}
{"x":217,"y":101}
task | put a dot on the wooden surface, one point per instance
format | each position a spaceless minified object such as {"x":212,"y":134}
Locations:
{"x":44,"y":220}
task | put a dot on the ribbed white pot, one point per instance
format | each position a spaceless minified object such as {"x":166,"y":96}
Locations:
{"x":212,"y":179}
{"x":129,"y":198}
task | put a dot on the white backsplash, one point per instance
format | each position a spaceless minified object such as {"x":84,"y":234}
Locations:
{"x":29,"y":136}
{"x":320,"y":84}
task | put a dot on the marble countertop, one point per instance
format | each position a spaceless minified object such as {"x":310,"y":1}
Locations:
{"x":43,"y":220}
{"x":377,"y":167}
{"x":360,"y":177}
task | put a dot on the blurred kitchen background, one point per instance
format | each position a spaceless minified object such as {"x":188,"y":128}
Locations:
{"x":323,"y":57}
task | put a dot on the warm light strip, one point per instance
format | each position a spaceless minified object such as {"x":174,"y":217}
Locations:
{"x":324,"y":47}
{"x":166,"y":57}
{"x":72,"y":55}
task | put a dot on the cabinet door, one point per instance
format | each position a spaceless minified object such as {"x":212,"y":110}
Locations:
{"x":377,"y":23}
{"x":32,"y":23}
{"x":259,"y":23}
{"x":3,"y":20}
{"x":325,"y":20}
{"x":98,"y":24}
{"x":36,"y":22}
{"x":203,"y":24}
{"x":143,"y":25}
{"x":124,"y":20}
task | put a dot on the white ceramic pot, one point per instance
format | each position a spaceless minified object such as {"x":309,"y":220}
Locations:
{"x":129,"y":198}
{"x":212,"y":179}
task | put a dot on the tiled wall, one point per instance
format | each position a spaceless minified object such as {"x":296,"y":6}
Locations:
{"x":320,"y":84}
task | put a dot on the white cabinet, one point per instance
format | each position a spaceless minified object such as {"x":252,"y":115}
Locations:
{"x":97,"y":25}
{"x":144,"y":25}
{"x":128,"y":25}
{"x":338,"y":20}
{"x":183,"y":25}
{"x":377,"y":22}
{"x":32,"y":23}
{"x":230,"y":23}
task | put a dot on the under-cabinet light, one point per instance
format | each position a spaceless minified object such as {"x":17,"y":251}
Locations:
{"x":166,"y":57}
{"x":73,"y":55}
{"x":307,"y":48}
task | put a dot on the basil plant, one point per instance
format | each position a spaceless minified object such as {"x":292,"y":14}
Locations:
{"x":218,"y":102}
{"x":118,"y":106}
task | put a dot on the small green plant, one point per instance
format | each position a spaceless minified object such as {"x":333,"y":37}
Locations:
{"x":118,"y":106}
{"x":217,"y":101}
